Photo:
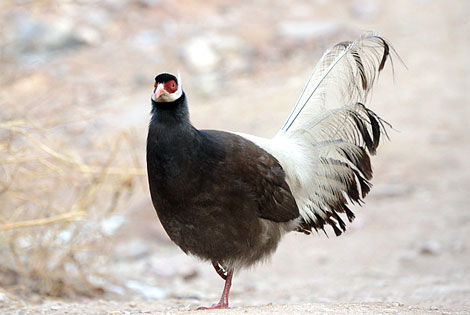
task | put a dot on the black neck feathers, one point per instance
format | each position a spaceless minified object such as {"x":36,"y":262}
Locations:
{"x":175,"y":112}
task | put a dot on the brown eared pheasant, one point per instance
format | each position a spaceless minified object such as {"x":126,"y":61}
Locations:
{"x":228,"y":198}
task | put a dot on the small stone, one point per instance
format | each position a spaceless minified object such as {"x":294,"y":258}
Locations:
{"x":430,"y":248}
{"x":134,"y":249}
{"x":111,"y":224}
{"x":147,"y":291}
{"x":199,"y":55}
{"x":147,"y":38}
{"x":88,"y":35}
{"x":4,"y":298}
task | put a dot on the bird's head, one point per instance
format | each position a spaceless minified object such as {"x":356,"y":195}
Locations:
{"x":167,"y":88}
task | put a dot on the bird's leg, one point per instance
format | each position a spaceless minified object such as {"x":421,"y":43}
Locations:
{"x":224,"y":298}
{"x":223,"y":303}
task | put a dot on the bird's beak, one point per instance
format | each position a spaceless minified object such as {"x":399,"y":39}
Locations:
{"x":159,"y":90}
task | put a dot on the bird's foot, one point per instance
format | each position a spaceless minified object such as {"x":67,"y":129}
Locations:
{"x":219,"y":305}
{"x":223,"y":302}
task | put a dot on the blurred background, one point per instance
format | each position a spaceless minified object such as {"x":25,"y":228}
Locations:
{"x":76,"y":221}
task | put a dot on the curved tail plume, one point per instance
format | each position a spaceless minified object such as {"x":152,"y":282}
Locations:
{"x":325,"y":143}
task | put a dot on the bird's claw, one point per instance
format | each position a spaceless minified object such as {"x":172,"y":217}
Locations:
{"x":213,"y":307}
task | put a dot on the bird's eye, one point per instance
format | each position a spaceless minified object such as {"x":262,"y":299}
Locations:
{"x":171,"y":86}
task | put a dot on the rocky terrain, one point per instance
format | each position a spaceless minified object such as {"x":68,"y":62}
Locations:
{"x":88,"y":68}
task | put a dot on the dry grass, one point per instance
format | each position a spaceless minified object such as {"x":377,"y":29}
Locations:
{"x":55,"y":205}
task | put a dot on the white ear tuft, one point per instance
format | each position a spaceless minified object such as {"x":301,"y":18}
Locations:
{"x":179,"y":80}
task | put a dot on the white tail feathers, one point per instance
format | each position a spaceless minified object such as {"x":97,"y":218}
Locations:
{"x":325,"y":143}
{"x":344,"y":75}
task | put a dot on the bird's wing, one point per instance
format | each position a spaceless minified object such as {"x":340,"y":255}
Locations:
{"x":258,"y":173}
{"x":324,"y":145}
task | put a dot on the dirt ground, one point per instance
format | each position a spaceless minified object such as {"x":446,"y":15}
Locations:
{"x":408,"y":251}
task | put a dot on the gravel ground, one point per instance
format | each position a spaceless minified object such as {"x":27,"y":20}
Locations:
{"x":186,"y":307}
{"x":408,"y":252}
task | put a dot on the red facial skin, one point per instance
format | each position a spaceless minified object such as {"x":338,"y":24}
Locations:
{"x":171,"y":86}
{"x":168,"y":87}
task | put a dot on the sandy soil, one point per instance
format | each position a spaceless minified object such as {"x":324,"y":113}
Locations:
{"x":408,"y":251}
{"x":186,"y":307}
